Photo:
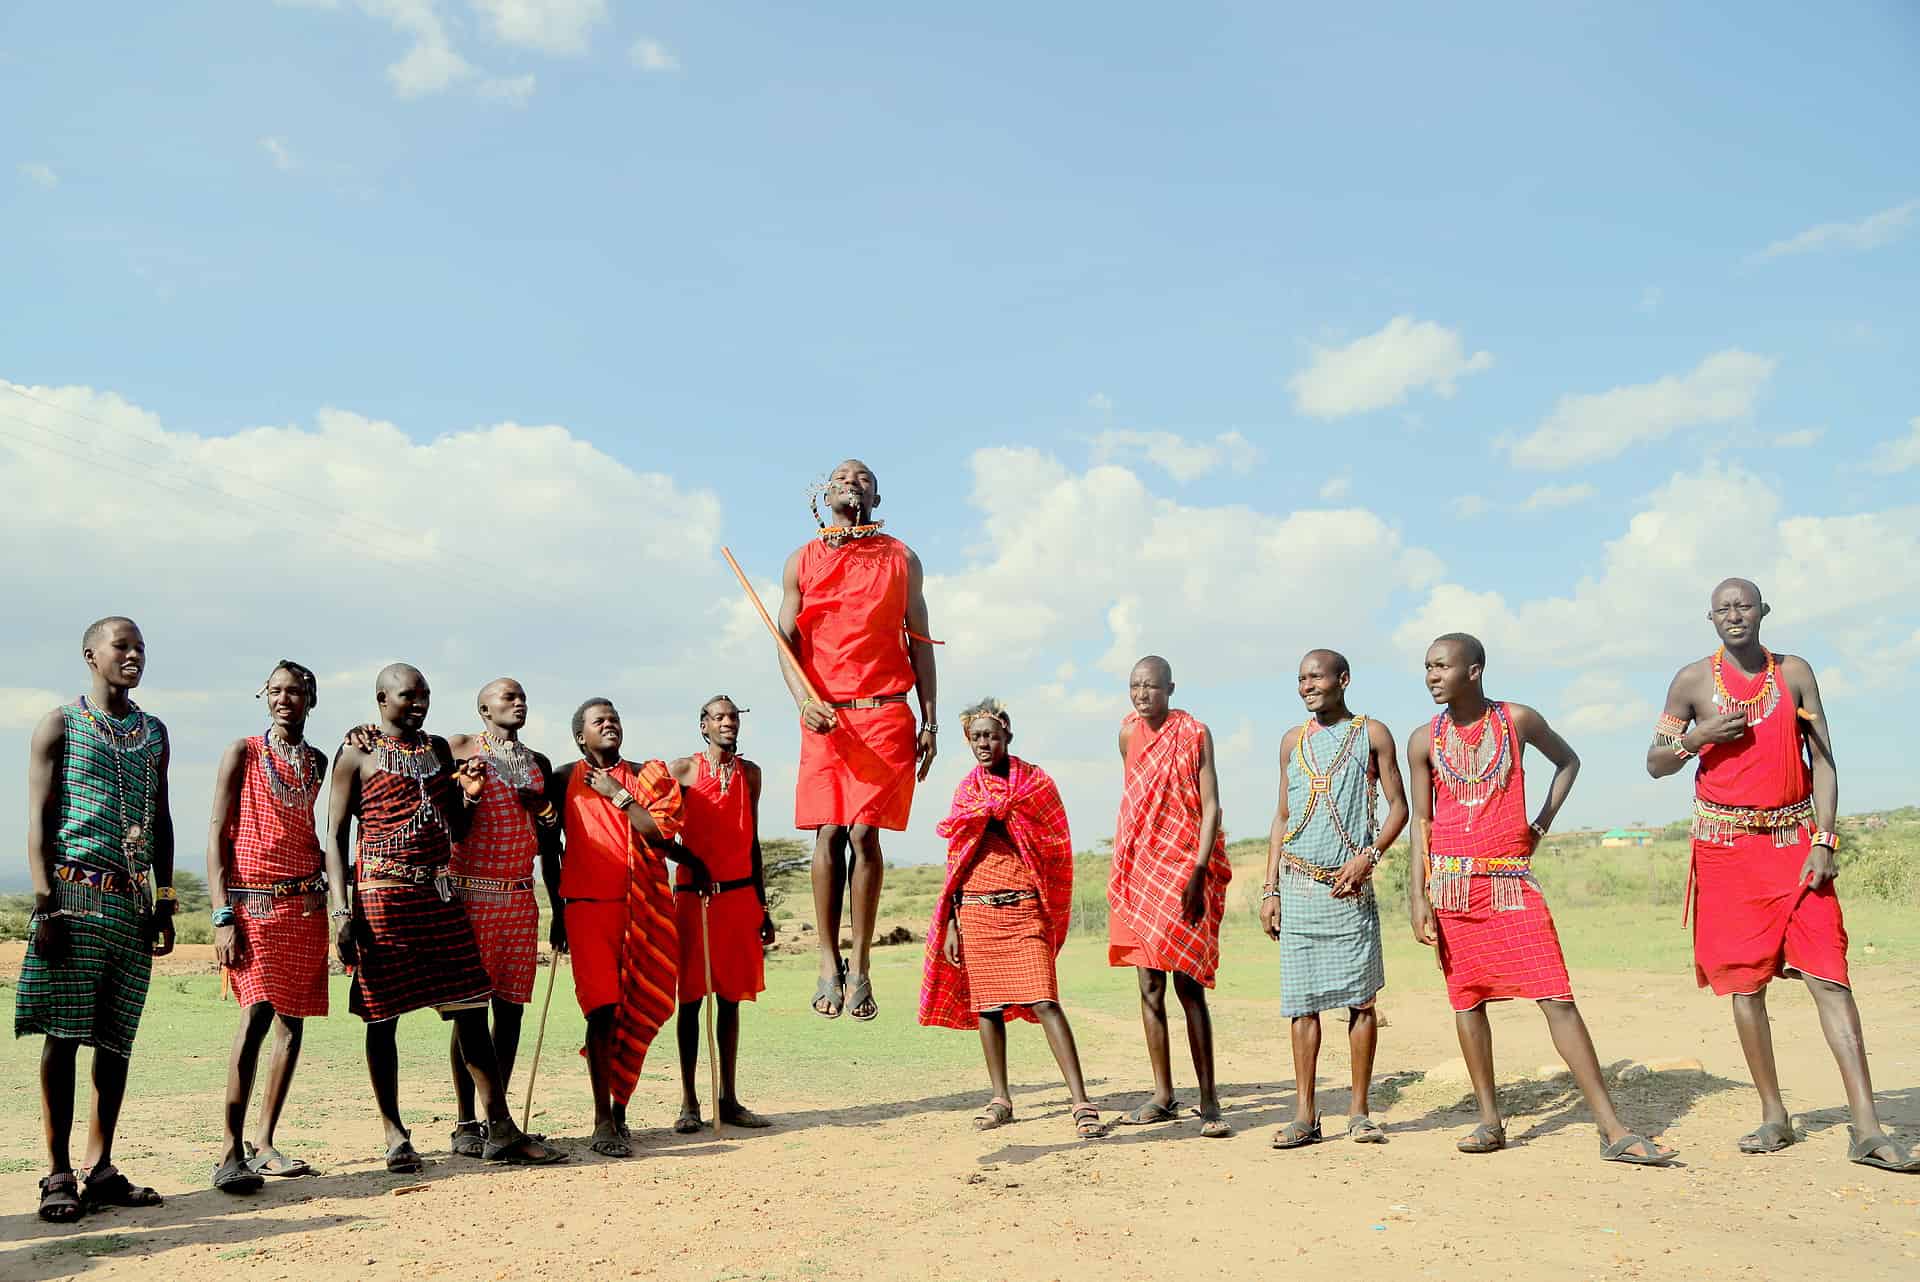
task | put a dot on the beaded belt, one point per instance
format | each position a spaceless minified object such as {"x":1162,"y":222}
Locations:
{"x":738,"y":883}
{"x":282,"y":889}
{"x":999,"y":898}
{"x":872,"y":701}
{"x":1292,"y":864}
{"x":100,"y":879}
{"x":499,"y":885}
{"x":1450,"y":880}
{"x":1719,"y":825}
{"x":374,"y":868}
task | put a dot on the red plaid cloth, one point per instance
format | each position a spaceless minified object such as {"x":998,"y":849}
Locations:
{"x":283,"y":961}
{"x":501,"y":846}
{"x":1491,"y":955}
{"x":1028,"y":804}
{"x":1154,"y":851}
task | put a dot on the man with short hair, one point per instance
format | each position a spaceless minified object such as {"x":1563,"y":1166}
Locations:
{"x":1760,"y":886}
{"x":492,"y":875}
{"x":1471,"y":891}
{"x":405,"y":937}
{"x":722,"y":922}
{"x":1318,"y":899}
{"x":100,"y":850}
{"x":1168,"y":888}
{"x":618,"y":817}
{"x":852,"y":608}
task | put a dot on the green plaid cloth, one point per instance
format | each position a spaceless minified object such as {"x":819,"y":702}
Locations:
{"x":97,"y":993}
{"x":1329,"y":948}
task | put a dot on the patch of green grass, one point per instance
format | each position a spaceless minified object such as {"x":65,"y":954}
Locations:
{"x":102,"y":1244}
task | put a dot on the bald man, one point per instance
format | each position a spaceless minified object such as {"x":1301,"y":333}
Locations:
{"x":853,"y":611}
{"x":407,"y":940}
{"x":491,"y":873}
{"x":1766,"y":793}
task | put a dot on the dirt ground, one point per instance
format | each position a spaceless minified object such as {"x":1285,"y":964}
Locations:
{"x":860,"y":1183}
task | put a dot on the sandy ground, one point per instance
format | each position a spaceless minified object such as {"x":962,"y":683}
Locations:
{"x":848,"y":1186}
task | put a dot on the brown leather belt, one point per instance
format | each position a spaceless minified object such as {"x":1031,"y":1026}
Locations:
{"x":738,"y":883}
{"x":872,"y":701}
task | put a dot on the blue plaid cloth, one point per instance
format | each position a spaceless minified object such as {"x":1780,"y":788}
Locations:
{"x":1329,"y":948}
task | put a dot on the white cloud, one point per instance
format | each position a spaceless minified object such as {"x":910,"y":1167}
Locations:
{"x":1799,"y":439}
{"x":21,"y":709}
{"x":651,"y":55}
{"x":40,"y":175}
{"x":1550,"y":497}
{"x":1100,"y":402}
{"x":1590,"y":427}
{"x":1866,"y":233}
{"x":1468,"y":506}
{"x":512,"y":90}
{"x":1383,"y":369}
{"x":1603,"y":702}
{"x":1180,"y":458}
{"x":1336,"y":488}
{"x":278,"y":152}
{"x":1902,"y":454}
{"x":550,"y":26}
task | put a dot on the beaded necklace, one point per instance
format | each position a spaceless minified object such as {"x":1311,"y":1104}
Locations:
{"x":298,"y":757}
{"x":123,"y":747}
{"x":1473,"y":766}
{"x":1763,"y":701}
{"x":510,"y":760}
{"x":1320,"y":782}
{"x":723,"y":771}
{"x":834,"y":535}
{"x":419,"y":762}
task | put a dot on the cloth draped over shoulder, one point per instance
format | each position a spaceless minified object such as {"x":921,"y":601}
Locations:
{"x":1027,"y":804}
{"x":621,"y":931}
{"x":1155,"y":847}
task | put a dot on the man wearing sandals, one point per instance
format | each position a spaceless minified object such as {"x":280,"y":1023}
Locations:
{"x":1766,"y":792}
{"x":1318,"y":897}
{"x":1471,"y":892}
{"x":1002,"y":914}
{"x":404,"y":935}
{"x":100,"y":850}
{"x":852,"y":609}
{"x":1168,"y":888}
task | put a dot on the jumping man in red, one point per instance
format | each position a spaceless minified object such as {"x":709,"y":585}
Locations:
{"x":1761,"y":887}
{"x":1470,"y":886}
{"x":1168,"y":889}
{"x":852,"y":608}
{"x":721,"y":794}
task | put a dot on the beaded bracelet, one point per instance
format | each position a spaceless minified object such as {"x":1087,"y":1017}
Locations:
{"x":1831,"y":840}
{"x":222,"y":916}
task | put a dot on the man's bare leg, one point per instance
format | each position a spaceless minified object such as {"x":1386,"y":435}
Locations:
{"x":490,"y":1088}
{"x":506,"y":1038}
{"x":1153,"y":1021}
{"x":732,"y":1111}
{"x":1305,"y":1034}
{"x":241,"y":1063}
{"x":1193,"y":1004}
{"x":609,"y":1121}
{"x":1575,"y":1044}
{"x":58,"y":1057}
{"x":686,"y":1036}
{"x":288,"y":1034}
{"x":1060,"y":1041}
{"x":462,"y":1080}
{"x":868,"y":871}
{"x":1840,"y":1021}
{"x":829,"y":884}
{"x":1750,"y":1020}
{"x":993,"y":1042}
{"x":109,"y":1093}
{"x":383,"y":1072}
{"x":1363,"y":1038}
{"x":1476,"y":1047}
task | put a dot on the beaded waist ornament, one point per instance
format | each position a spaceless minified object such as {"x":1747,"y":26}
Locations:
{"x":1719,"y":825}
{"x":490,"y":890}
{"x":1450,"y":878}
{"x":80,"y":891}
{"x":258,"y":900}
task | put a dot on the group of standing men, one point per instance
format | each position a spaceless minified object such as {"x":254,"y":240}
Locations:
{"x":439,"y":910}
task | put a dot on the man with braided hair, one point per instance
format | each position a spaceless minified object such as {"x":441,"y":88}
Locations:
{"x":266,"y":877}
{"x":1002,"y":914}
{"x":1318,"y":897}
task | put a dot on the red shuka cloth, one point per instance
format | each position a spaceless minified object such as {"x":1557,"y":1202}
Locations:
{"x":718,"y":829}
{"x":1027,"y":804}
{"x":1155,"y":848}
{"x":1753,"y":921}
{"x":625,"y":951}
{"x":853,"y":645}
{"x":502,"y":846}
{"x":283,"y":960}
{"x":1491,"y":954}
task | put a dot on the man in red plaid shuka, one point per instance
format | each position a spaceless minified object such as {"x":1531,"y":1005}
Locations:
{"x":1168,"y":890}
{"x":1002,"y":914}
{"x":1470,"y":886}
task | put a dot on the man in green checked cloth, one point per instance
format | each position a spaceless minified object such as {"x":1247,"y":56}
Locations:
{"x":1318,"y":897}
{"x":100,"y":848}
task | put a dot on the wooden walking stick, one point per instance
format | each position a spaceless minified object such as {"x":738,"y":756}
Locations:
{"x":533,"y":1071}
{"x":786,"y":651}
{"x":713,"y":1057}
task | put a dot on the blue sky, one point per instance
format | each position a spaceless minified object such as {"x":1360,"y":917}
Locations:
{"x":1224,"y":333}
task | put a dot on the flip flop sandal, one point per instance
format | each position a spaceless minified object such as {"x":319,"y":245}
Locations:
{"x":1086,"y":1122}
{"x":688,"y":1123}
{"x":1768,"y":1137}
{"x":1211,"y":1128}
{"x":520,"y":1149}
{"x":469,"y":1139}
{"x":831,"y":990}
{"x":860,"y":993}
{"x":106,"y":1186}
{"x":1621,"y":1150}
{"x":273,"y":1162}
{"x":1865,"y":1151}
{"x":1150,"y":1113}
{"x":404,"y":1159}
{"x":612,"y":1146}
{"x":1297,"y":1134}
{"x":998,"y":1112}
{"x":1483,"y":1138}
{"x":1364,"y":1130}
{"x":236,"y":1176}
{"x":742,"y":1116}
{"x":60,"y":1198}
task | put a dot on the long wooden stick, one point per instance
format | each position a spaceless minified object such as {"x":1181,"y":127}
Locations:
{"x":713,"y":998}
{"x":786,"y":651}
{"x":553,"y":971}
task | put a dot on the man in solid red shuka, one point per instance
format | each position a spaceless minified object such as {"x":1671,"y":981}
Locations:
{"x":1760,"y":888}
{"x":852,"y":609}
